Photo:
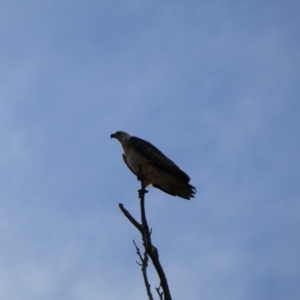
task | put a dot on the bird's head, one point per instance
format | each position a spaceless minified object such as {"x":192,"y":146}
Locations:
{"x":121,"y":136}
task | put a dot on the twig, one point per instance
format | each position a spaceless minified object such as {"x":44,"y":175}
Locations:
{"x":144,"y":266}
{"x":160,"y":294}
{"x":131,"y":219}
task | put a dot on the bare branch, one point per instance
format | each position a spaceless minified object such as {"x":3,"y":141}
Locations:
{"x":150,"y":250}
{"x":160,"y":294}
{"x":144,"y":266}
{"x":131,"y":219}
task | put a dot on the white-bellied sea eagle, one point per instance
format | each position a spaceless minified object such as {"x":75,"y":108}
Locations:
{"x":161,"y":172}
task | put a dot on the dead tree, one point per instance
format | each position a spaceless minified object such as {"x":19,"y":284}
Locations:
{"x":149,"y":249}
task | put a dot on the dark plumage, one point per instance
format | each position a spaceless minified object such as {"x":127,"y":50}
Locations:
{"x":162,"y":172}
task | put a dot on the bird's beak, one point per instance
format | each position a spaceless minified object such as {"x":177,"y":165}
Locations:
{"x":112,"y":136}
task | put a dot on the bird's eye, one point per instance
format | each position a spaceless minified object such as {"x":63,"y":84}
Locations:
{"x":118,"y":132}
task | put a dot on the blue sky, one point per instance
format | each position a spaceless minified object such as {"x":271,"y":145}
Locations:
{"x":213,"y":84}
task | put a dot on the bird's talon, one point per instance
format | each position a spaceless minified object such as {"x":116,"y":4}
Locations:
{"x":141,"y":192}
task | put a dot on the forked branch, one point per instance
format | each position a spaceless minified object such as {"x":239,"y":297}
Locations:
{"x":150,"y":250}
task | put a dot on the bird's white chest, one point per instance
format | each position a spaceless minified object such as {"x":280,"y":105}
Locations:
{"x":134,"y":158}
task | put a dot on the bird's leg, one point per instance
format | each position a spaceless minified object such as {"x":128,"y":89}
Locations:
{"x":142,"y":178}
{"x":144,"y":183}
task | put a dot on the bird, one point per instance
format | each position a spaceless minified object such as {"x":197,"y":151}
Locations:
{"x":159,"y":171}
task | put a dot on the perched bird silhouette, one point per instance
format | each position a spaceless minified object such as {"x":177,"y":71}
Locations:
{"x":160,"y":171}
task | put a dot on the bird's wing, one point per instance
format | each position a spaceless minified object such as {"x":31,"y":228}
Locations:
{"x":158,"y":158}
